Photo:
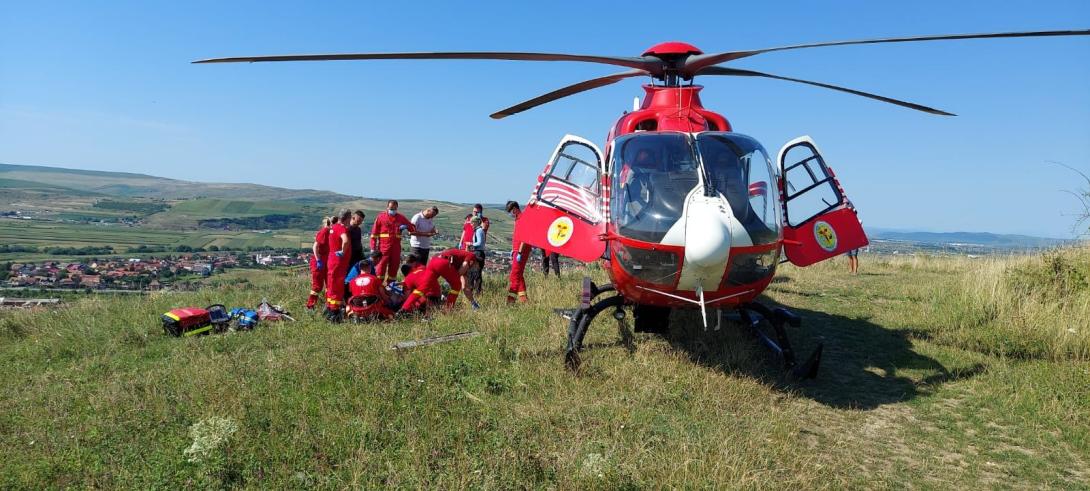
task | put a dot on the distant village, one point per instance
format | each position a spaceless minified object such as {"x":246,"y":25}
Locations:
{"x":136,"y":274}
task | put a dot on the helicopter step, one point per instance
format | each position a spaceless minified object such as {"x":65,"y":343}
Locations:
{"x":753,"y":313}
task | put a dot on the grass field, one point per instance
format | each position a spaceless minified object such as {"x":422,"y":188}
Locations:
{"x":919,"y":388}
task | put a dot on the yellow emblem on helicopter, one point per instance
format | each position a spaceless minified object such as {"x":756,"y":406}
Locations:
{"x":825,"y":235}
{"x":560,"y":231}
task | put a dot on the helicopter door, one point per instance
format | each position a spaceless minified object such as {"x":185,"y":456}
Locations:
{"x":820,"y":220}
{"x":564,"y":214}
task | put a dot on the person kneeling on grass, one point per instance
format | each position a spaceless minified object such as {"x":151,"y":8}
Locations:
{"x":369,"y":299}
{"x":421,"y":289}
{"x":453,"y":265}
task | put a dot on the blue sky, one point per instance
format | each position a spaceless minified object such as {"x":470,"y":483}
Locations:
{"x":108,"y":86}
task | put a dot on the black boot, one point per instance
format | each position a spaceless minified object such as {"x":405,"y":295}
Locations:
{"x":334,"y":315}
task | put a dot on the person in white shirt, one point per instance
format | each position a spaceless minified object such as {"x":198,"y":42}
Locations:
{"x":420,"y":242}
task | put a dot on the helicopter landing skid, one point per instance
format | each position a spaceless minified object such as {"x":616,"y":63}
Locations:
{"x":753,"y":313}
{"x":584,"y":316}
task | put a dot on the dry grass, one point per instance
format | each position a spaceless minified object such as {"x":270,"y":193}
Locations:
{"x":96,"y":396}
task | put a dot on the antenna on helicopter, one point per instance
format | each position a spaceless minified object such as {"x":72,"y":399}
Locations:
{"x":635,"y":103}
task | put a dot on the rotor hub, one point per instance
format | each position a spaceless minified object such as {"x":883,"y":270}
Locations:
{"x":672,"y":49}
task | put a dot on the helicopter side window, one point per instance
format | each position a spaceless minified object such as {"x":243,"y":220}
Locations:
{"x":572,"y":183}
{"x":583,"y":175}
{"x":738,"y":168}
{"x":810,"y":190}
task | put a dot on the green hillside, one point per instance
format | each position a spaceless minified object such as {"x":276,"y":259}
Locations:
{"x":919,"y":388}
{"x":124,"y":184}
{"x":20,"y":184}
{"x":62,"y":196}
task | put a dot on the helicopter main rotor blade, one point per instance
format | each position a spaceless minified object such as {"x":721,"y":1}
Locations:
{"x":593,"y":83}
{"x":719,"y":70}
{"x":697,"y":62}
{"x":642,"y":63}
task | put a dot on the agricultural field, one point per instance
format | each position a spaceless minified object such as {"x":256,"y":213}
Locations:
{"x":178,"y":225}
{"x":277,"y":239}
{"x":939,"y":373}
{"x":217,"y":208}
{"x":121,"y":238}
{"x":75,"y":208}
{"x":30,"y":232}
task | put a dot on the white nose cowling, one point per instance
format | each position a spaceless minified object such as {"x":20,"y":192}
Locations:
{"x":707,"y":242}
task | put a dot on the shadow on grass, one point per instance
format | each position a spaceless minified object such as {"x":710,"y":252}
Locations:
{"x":864,"y":365}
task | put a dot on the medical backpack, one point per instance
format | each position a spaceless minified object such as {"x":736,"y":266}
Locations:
{"x":193,"y":321}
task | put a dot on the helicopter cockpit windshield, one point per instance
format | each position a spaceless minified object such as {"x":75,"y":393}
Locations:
{"x":653,"y":173}
{"x":737,"y":167}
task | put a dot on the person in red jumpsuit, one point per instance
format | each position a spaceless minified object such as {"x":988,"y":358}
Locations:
{"x":386,"y":238}
{"x":369,"y":298}
{"x":452,"y":265}
{"x":421,"y":288}
{"x":520,"y":253}
{"x":320,"y":249}
{"x":340,"y":251}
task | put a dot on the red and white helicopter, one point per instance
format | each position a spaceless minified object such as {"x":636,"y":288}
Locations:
{"x":682,"y":211}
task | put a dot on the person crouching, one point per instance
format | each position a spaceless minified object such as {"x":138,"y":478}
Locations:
{"x":452,"y":265}
{"x":421,"y":289}
{"x":369,"y":300}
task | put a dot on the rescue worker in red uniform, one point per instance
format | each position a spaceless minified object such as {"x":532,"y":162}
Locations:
{"x":452,"y":265}
{"x":386,"y":238}
{"x":520,"y":254}
{"x":369,"y":299}
{"x":340,"y":251}
{"x":319,"y":250}
{"x":421,"y":289}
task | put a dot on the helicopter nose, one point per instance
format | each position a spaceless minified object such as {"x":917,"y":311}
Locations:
{"x":707,"y":235}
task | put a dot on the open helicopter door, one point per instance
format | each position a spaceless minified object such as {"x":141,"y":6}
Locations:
{"x":564,"y":214}
{"x":820,"y":220}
